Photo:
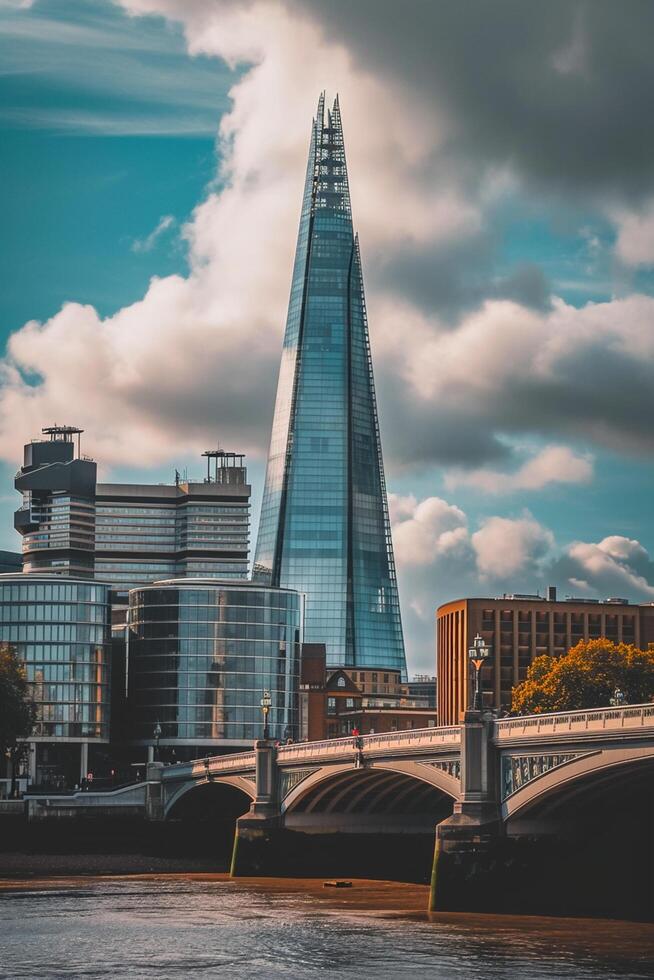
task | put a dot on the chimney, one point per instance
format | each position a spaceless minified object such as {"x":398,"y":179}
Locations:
{"x":551,"y":593}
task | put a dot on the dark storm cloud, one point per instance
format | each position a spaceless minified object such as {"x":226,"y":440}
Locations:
{"x":560,"y":91}
{"x":454,"y":277}
{"x":415,"y":433}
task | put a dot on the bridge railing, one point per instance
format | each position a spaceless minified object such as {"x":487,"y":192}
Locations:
{"x":210,"y":764}
{"x":333,"y":748}
{"x":633,"y":717}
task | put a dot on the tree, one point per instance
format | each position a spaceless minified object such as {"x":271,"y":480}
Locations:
{"x":17,"y":710}
{"x":586,"y":677}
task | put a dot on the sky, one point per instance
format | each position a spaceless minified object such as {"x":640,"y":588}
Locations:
{"x":153,"y":156}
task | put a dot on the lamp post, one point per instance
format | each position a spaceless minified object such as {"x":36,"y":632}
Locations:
{"x":157,"y":736}
{"x":478,"y":654}
{"x":266,"y":701}
{"x":618,"y":698}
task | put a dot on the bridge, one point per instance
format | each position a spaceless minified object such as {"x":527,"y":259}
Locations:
{"x":505,"y":797}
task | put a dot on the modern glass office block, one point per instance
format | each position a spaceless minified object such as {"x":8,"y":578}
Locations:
{"x":324,"y":526}
{"x":201,"y":654}
{"x":60,"y":629}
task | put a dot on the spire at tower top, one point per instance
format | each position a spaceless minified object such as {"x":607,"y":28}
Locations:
{"x":330,"y":182}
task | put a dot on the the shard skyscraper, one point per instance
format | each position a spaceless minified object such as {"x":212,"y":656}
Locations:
{"x":324,"y":526}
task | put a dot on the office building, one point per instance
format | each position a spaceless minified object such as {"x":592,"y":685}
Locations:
{"x":423,"y":688}
{"x":57,"y":515}
{"x":192,"y":528}
{"x":201,"y":654}
{"x":324,"y":526}
{"x":11,"y":561}
{"x":130,"y":534}
{"x":519,"y":628}
{"x":59,"y":628}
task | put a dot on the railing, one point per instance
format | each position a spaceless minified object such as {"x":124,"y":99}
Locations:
{"x":127,"y":795}
{"x":211,"y":764}
{"x":631,"y":718}
{"x":331,"y":748}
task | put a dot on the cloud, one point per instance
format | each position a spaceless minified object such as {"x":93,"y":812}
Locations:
{"x":101,"y":73}
{"x":463,"y":357}
{"x":553,"y":464}
{"x":635,"y":242}
{"x":571,"y":373}
{"x":614,"y":566}
{"x":147,"y":244}
{"x":427,"y":529}
{"x":440,"y":558}
{"x":511,"y":82}
{"x":505,"y":547}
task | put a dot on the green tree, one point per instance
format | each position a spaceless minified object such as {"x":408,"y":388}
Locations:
{"x":17,"y":710}
{"x":586,"y":677}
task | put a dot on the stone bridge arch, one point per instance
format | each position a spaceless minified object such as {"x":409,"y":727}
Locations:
{"x":563,"y":782}
{"x":384,"y":795}
{"x":175,"y":792}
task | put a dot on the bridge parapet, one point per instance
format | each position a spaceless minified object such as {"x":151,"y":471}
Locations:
{"x":414,"y":741}
{"x":611,"y":722}
{"x":211,"y":765}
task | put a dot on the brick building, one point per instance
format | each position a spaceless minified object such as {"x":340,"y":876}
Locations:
{"x":519,"y":628}
{"x":335,"y":702}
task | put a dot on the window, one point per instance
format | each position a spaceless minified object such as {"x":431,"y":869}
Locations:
{"x":340,"y":682}
{"x":331,"y":706}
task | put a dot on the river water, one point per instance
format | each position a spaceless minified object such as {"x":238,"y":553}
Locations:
{"x":205,"y":926}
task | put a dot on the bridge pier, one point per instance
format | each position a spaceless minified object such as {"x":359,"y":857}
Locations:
{"x":257,"y":835}
{"x":468,"y":844}
{"x":154,"y":799}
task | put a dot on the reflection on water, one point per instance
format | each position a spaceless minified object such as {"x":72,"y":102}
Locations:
{"x":175,"y":926}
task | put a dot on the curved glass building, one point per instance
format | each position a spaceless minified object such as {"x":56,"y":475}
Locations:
{"x":201,"y":653}
{"x":324,"y":526}
{"x":60,"y":629}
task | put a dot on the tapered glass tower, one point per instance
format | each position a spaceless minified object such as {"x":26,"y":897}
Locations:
{"x":324,"y":526}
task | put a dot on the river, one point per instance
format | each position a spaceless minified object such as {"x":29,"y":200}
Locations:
{"x":167,"y":927}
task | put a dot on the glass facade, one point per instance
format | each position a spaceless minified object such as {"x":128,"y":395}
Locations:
{"x":60,"y":629}
{"x":201,"y":654}
{"x":324,"y":526}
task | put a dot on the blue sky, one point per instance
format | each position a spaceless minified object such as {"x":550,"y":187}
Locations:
{"x":113,"y":172}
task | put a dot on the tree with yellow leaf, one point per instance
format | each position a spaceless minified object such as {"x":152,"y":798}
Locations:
{"x":586,"y":677}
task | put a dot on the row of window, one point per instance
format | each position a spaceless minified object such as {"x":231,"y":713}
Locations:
{"x":54,"y":632}
{"x":80,"y":612}
{"x":55,"y":591}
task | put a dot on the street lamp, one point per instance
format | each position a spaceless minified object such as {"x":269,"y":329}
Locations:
{"x":478,"y":654}
{"x":618,"y":698}
{"x":266,"y":701}
{"x":157,"y":736}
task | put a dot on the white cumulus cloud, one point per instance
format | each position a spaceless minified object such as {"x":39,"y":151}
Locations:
{"x":553,"y":464}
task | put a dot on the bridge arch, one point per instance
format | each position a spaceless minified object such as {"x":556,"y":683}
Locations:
{"x":586,"y":771}
{"x":179,"y":792}
{"x":386,"y":789}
